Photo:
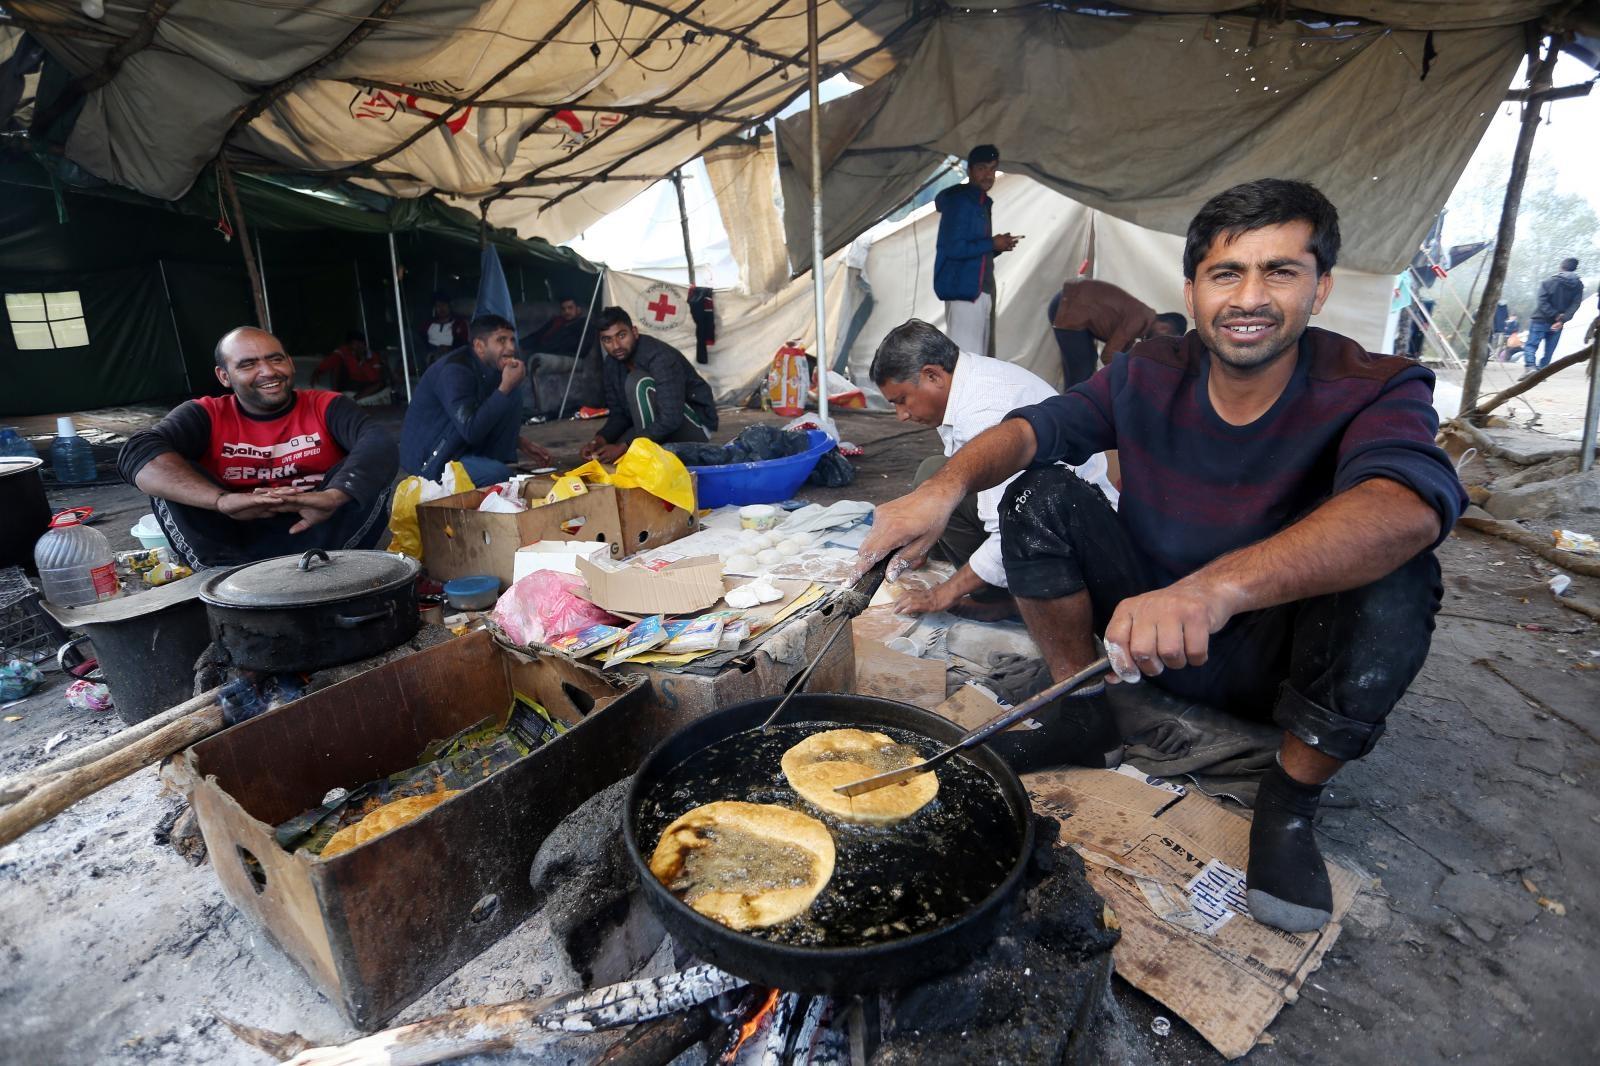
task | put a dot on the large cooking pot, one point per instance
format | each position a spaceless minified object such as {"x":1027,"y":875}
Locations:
{"x":24,"y":510}
{"x":681,"y":774}
{"x":298,"y":613}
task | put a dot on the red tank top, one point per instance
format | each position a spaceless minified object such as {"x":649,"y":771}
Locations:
{"x":293,"y":449}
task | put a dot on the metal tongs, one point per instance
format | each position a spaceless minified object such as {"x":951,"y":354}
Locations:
{"x":852,"y":602}
{"x":1008,"y":717}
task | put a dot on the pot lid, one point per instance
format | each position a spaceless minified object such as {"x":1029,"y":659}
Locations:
{"x":317,"y":577}
{"x":14,"y":464}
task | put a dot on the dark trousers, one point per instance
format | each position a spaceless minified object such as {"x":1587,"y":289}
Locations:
{"x":1328,"y":669}
{"x":210,"y":539}
{"x":641,"y":391}
{"x":1078,"y":356}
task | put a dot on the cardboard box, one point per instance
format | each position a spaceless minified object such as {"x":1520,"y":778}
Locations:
{"x":559,"y":556}
{"x":1170,"y":863}
{"x":764,"y":671}
{"x":649,"y":521}
{"x":682,"y":587}
{"x":376,"y":926}
{"x":458,"y":540}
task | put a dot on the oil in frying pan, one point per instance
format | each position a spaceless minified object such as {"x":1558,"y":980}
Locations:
{"x":888,"y":881}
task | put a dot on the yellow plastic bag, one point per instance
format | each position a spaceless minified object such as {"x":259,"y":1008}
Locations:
{"x":405,"y":536}
{"x":645,"y":465}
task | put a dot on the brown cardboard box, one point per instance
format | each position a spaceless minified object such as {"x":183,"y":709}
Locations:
{"x":379,"y":924}
{"x":1169,"y":863}
{"x":458,"y":540}
{"x":764,"y":671}
{"x":683,"y":587}
{"x":649,"y":521}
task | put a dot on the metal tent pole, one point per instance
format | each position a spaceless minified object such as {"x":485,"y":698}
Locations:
{"x":266,"y":297}
{"x":188,"y":383}
{"x":242,"y":228}
{"x":361,"y":302}
{"x":400,"y":315}
{"x":817,"y":283}
{"x":561,"y":412}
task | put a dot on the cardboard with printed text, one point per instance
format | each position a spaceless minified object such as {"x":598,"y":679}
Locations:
{"x":1170,"y":863}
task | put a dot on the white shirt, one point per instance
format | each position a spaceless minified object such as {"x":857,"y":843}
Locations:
{"x":982,"y":392}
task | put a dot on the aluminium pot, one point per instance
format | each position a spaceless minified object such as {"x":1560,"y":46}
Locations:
{"x":296,"y":614}
{"x":835,"y":970}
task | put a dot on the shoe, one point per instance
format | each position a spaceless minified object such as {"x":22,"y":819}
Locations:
{"x":1073,"y":731}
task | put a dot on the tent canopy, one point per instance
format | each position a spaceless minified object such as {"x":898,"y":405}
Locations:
{"x":553,"y":114}
{"x":155,"y":284}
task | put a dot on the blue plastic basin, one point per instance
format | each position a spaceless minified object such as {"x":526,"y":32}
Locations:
{"x":766,"y":481}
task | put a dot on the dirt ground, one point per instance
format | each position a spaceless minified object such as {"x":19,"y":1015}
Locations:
{"x":1478,"y":814}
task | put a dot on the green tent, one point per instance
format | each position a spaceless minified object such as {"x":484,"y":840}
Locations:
{"x":112,"y":297}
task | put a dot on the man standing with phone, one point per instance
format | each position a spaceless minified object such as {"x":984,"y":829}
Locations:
{"x":963,"y":266}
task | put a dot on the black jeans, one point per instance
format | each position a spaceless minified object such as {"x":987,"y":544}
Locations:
{"x":1328,"y":669}
{"x":1079,"y":360}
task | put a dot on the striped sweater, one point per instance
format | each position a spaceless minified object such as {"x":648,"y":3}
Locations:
{"x":1195,"y":487}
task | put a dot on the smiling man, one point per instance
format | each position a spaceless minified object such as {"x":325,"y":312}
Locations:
{"x":266,"y":470}
{"x":1272,"y":554}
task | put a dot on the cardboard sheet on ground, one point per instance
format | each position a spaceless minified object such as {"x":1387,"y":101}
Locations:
{"x":1171,"y":868}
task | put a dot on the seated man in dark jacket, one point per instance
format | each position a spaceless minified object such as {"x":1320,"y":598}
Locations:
{"x":651,"y":389}
{"x":467,"y":407}
{"x":268,"y":470}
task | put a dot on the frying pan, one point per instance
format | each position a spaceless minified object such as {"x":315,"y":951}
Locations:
{"x":831,"y":968}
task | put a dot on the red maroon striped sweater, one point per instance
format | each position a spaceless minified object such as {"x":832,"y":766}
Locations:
{"x":1195,"y":487}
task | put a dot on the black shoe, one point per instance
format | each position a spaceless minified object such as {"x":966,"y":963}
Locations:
{"x":1073,"y":731}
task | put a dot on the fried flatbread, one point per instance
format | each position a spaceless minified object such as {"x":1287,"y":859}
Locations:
{"x":746,"y":865}
{"x":389,"y":816}
{"x":824,"y":761}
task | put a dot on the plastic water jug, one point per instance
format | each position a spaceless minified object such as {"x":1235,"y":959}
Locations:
{"x":76,"y":566}
{"x":71,"y":457}
{"x":15,"y":444}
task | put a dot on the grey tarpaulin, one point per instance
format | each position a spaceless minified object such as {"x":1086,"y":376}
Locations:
{"x":1144,"y":118}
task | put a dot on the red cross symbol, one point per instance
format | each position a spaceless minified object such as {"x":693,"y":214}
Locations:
{"x":662,"y":308}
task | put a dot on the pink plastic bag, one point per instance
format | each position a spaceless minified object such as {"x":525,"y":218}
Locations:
{"x":542,"y":606}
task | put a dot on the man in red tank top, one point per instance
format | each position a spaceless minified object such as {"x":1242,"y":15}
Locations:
{"x":267,"y":470}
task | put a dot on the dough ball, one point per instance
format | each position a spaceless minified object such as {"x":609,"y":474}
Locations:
{"x":768,"y":556}
{"x":824,"y":761}
{"x":741,"y":564}
{"x":746,"y":865}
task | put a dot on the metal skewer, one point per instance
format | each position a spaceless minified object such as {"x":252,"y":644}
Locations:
{"x":1008,"y":717}
{"x":852,"y":602}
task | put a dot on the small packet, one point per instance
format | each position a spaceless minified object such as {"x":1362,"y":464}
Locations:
{"x":734,"y":633}
{"x":637,"y":639}
{"x":586,"y":641}
{"x":697,"y":634}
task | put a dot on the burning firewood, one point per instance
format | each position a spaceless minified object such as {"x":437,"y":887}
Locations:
{"x":521,"y":1025}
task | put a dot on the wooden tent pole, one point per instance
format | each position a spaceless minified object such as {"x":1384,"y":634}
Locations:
{"x":1540,"y":75}
{"x":241,"y":227}
{"x":676,"y":177}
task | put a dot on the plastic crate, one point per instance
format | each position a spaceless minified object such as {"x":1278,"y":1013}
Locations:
{"x":766,"y":481}
{"x":26,"y":631}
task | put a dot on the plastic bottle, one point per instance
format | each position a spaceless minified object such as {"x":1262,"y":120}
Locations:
{"x":14,"y":444}
{"x":71,"y":457}
{"x":76,"y":566}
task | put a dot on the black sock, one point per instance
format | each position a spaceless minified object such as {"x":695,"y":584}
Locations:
{"x":1073,"y":731}
{"x":1287,"y":879}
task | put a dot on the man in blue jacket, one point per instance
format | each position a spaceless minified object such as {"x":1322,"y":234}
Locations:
{"x":467,"y":407}
{"x":963,"y":266}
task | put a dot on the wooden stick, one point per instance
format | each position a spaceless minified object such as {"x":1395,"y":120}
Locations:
{"x":65,"y":789}
{"x":1534,"y":543}
{"x":1581,"y":606}
{"x":1524,"y":384}
{"x":15,"y":788}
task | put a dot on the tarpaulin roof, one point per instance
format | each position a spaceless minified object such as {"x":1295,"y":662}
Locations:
{"x":553,"y":113}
